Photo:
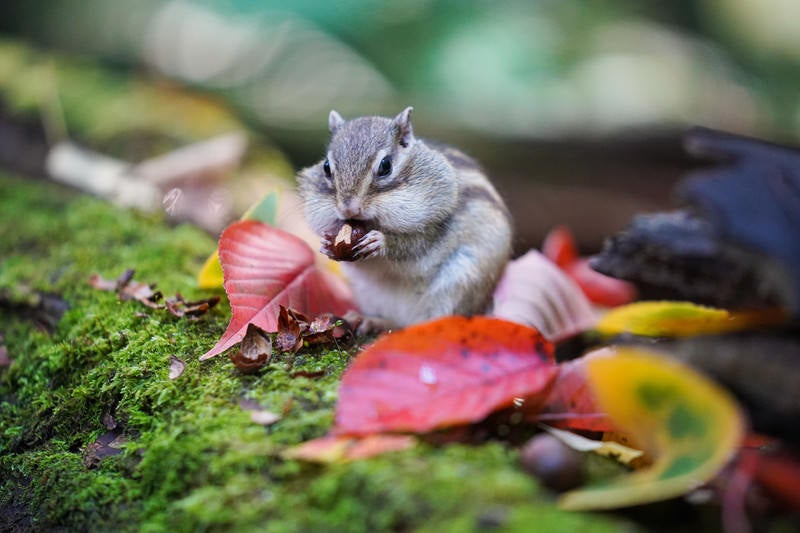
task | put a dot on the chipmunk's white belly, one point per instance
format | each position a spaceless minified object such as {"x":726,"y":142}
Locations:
{"x":398,"y":296}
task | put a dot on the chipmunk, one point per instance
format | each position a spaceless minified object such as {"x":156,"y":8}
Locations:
{"x":438,"y":234}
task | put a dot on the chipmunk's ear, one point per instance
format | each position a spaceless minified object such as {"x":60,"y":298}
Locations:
{"x":404,"y":129}
{"x":335,"y":120}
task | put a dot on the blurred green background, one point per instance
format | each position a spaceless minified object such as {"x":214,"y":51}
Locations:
{"x":575,"y":107}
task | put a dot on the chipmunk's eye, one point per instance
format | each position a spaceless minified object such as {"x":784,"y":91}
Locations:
{"x":385,"y":168}
{"x":327,"y":168}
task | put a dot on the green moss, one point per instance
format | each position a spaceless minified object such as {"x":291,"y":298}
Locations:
{"x":193,"y":460}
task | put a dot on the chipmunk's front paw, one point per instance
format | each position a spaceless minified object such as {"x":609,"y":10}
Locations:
{"x":365,"y":326}
{"x":327,"y":247}
{"x":373,"y":244}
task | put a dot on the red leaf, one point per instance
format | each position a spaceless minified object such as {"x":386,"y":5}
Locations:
{"x":451,"y":371}
{"x":265,"y":267}
{"x":570,"y":402}
{"x":778,"y":471}
{"x":559,"y":246}
{"x":599,"y":288}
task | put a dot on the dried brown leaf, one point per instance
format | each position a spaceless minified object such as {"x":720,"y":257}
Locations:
{"x":145,"y":293}
{"x":258,"y":415}
{"x":254,"y":351}
{"x":107,"y":444}
{"x":264,"y":417}
{"x":289,"y":337}
{"x":98,"y":282}
{"x":142,"y":292}
{"x":176,"y":367}
{"x":328,"y":329}
{"x":5,"y":359}
{"x":108,"y":421}
{"x":193,"y":310}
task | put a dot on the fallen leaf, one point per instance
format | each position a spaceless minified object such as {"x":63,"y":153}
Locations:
{"x":447,"y":372}
{"x":535,"y":292}
{"x":689,"y":425}
{"x":559,"y":246}
{"x":128,"y":289}
{"x":179,"y":307}
{"x":264,"y":417}
{"x":98,"y":282}
{"x":143,"y":293}
{"x":210,"y":275}
{"x":777,"y":470}
{"x":295,"y":330}
{"x":176,"y":367}
{"x":264,"y":268}
{"x":680,"y":319}
{"x":108,"y":421}
{"x":327,"y":328}
{"x":606,"y":448}
{"x":254,"y":352}
{"x":340,"y":448}
{"x":570,"y":402}
{"x":107,"y":444}
{"x":288,"y":338}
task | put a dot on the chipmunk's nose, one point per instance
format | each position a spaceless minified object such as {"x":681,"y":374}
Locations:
{"x":349,"y":208}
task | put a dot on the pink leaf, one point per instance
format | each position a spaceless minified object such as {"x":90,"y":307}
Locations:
{"x":265,"y":267}
{"x":535,"y":292}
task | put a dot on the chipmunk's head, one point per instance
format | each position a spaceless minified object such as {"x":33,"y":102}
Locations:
{"x":372,"y":172}
{"x":365,"y":157}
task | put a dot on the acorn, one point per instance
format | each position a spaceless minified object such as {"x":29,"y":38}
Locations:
{"x":557,"y":466}
{"x":350,"y":233}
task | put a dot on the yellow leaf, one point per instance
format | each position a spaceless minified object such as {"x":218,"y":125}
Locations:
{"x":210,"y":275}
{"x":606,"y":448}
{"x":688,"y":424}
{"x":679,"y":319}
